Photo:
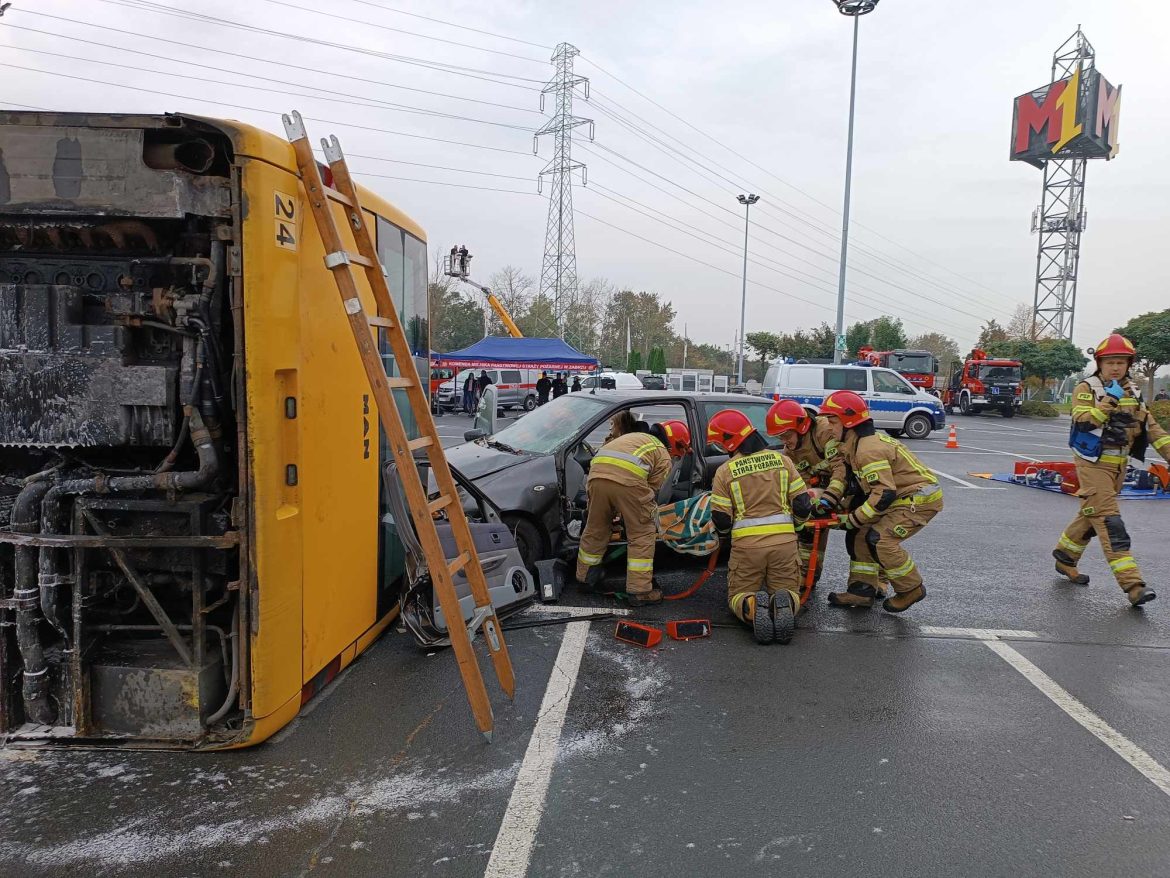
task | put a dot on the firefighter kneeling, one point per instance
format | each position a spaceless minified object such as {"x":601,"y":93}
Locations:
{"x":759,"y":498}
{"x":903,"y":496}
{"x":812,"y":445}
{"x":624,"y":478}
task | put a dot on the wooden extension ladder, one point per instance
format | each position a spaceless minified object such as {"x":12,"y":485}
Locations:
{"x":342,"y":265}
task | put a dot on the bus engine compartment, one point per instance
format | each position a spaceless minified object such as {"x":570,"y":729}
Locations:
{"x":121,"y":522}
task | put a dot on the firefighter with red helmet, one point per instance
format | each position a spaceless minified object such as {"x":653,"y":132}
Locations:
{"x":902,"y":497}
{"x":1110,"y":425}
{"x":759,"y":498}
{"x":624,"y":478}
{"x":811,"y":444}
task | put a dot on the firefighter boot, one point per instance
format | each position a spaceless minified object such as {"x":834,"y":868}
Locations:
{"x":763,"y":628}
{"x":1066,"y":566}
{"x":784,"y":608}
{"x":859,"y":595}
{"x":644,"y":598}
{"x":1139,"y":594}
{"x":904,"y":600}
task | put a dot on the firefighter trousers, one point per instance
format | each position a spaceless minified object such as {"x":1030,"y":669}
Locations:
{"x":1100,"y":514}
{"x":806,"y":538}
{"x":636,"y":507}
{"x":771,"y":565}
{"x":877,"y":548}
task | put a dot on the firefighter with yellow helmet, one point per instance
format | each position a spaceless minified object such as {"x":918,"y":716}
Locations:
{"x":759,"y":498}
{"x":902,"y":497}
{"x":1110,"y":424}
{"x":624,"y":478}
{"x":811,"y":444}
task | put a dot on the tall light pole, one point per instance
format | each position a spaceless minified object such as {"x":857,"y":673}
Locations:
{"x":747,"y":201}
{"x":855,"y":9}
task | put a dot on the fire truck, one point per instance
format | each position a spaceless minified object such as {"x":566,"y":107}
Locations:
{"x":917,"y":367}
{"x":984,"y":382}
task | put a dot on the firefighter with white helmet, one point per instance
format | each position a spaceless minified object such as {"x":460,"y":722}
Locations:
{"x":903,"y":496}
{"x":1110,"y":425}
{"x":759,"y":498}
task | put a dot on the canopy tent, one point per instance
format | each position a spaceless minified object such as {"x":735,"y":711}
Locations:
{"x":503,"y":352}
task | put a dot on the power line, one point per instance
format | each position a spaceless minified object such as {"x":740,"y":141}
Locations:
{"x":815,"y":225}
{"x":274,"y":112}
{"x":187,"y":63}
{"x":444,"y":183}
{"x":367,"y":23}
{"x":779,"y":179}
{"x":470,"y":73}
{"x":220,"y":21}
{"x":376,"y":158}
{"x":451,"y":24}
{"x":338,"y":97}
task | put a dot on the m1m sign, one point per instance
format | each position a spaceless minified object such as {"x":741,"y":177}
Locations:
{"x":1075,"y":117}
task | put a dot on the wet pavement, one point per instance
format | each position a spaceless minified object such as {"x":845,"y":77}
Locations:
{"x":917,"y":745}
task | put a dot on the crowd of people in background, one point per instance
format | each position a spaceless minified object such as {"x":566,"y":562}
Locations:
{"x":556,"y":387}
{"x":473,"y":388}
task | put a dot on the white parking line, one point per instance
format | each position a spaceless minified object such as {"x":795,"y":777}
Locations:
{"x":1150,"y":768}
{"x":512,"y":851}
{"x":965,"y":483}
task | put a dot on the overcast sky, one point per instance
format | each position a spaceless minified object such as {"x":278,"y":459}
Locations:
{"x":940,"y":213}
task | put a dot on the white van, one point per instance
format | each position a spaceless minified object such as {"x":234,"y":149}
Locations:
{"x":896,"y":405}
{"x":621,"y":380}
{"x":515,"y":388}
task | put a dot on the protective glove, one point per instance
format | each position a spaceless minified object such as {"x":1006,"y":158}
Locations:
{"x":845,"y":522}
{"x":1115,"y":389}
{"x":824,"y":506}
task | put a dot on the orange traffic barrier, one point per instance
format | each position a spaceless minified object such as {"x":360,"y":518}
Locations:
{"x":953,"y":438}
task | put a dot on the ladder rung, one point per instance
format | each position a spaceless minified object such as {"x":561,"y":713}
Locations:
{"x":420,"y":442}
{"x":384,"y":322}
{"x":439,"y":504}
{"x":459,"y":563}
{"x":334,"y":195}
{"x":399,"y":382}
{"x":344,"y":257}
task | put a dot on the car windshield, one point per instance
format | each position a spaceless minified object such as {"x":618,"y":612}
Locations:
{"x":917,"y":363}
{"x":551,"y":426}
{"x":999,"y":373}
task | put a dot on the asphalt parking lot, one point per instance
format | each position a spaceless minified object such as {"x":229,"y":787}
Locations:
{"x":1011,"y":724}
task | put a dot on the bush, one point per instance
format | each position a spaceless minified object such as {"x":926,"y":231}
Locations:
{"x":1035,"y":408}
{"x":1161,"y":413}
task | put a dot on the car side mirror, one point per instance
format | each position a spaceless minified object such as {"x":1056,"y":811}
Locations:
{"x":472,"y":435}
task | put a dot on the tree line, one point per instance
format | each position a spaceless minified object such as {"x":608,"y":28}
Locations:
{"x":597,"y":318}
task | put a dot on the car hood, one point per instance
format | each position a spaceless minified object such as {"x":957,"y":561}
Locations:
{"x":476,"y":461}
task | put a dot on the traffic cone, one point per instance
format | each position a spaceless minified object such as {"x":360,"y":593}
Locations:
{"x":953,"y":438}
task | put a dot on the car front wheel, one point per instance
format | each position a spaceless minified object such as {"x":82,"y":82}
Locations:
{"x":530,"y":540}
{"x":918,"y":427}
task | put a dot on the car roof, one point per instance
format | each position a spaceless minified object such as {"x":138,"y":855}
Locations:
{"x":659,"y":396}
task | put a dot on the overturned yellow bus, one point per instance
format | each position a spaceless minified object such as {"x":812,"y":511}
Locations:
{"x":190,"y":514}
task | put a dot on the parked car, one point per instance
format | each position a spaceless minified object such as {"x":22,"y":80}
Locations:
{"x":621,"y":381}
{"x":896,"y":405}
{"x":654,"y":382}
{"x":534,"y":469}
{"x":515,"y":388}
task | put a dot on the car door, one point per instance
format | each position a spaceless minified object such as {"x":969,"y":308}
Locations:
{"x":891,"y":399}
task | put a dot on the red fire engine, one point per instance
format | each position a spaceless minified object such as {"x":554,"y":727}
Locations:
{"x":917,"y":367}
{"x":984,"y":382}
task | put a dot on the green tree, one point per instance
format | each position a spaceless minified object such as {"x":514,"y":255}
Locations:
{"x":991,"y":333}
{"x":856,"y":337}
{"x":1045,"y":360}
{"x":633,"y":361}
{"x":944,"y":348}
{"x":766,"y":345}
{"x":650,"y":318}
{"x":456,"y":319}
{"x":887,"y":334}
{"x":657,"y":362}
{"x":537,"y":319}
{"x":1150,"y":334}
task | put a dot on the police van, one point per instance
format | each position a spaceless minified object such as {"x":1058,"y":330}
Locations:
{"x":895,"y":404}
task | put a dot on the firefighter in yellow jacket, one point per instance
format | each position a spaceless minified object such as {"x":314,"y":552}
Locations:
{"x":759,"y":498}
{"x":903,"y":496}
{"x":624,"y":478}
{"x":812,"y":445}
{"x":1110,"y":425}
